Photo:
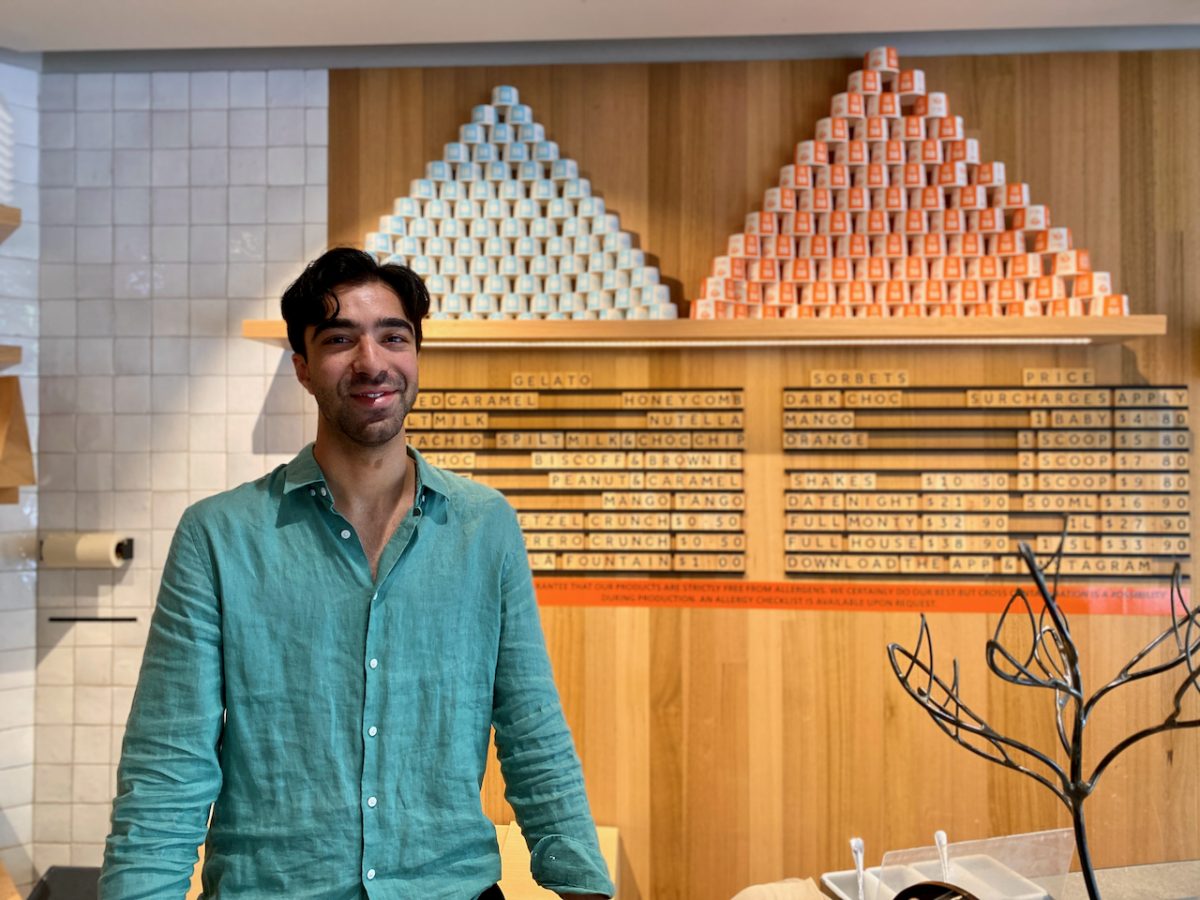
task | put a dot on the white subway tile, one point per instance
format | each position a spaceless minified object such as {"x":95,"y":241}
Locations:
{"x":95,"y":393}
{"x":95,"y":317}
{"x":132,"y":509}
{"x":57,"y":131}
{"x":94,"y":168}
{"x":170,"y":356}
{"x":316,"y":127}
{"x":94,"y":90}
{"x":93,"y":472}
{"x":209,"y":167}
{"x":93,"y":668}
{"x":169,"y":206}
{"x":285,"y":127}
{"x":169,"y":394}
{"x":210,"y":128}
{"x":206,"y":472}
{"x":58,"y":206}
{"x":92,"y":784}
{"x":94,"y":130}
{"x":131,"y":90}
{"x":286,"y":87}
{"x":169,"y":130}
{"x":55,"y":705}
{"x":94,"y":432}
{"x":248,"y":128}
{"x":316,"y":165}
{"x":93,"y":281}
{"x":94,"y":206}
{"x":89,"y":825}
{"x":169,"y":243}
{"x":131,"y":282}
{"x":169,"y":471}
{"x":248,"y":166}
{"x":210,"y":90}
{"x":131,"y":168}
{"x":131,"y":244}
{"x":58,"y":243}
{"x":316,"y":87}
{"x":206,"y":356}
{"x":285,"y":243}
{"x":248,"y":205}
{"x":57,"y":318}
{"x":57,"y":92}
{"x":207,"y":317}
{"x":52,"y":823}
{"x":247,"y":89}
{"x":131,"y":393}
{"x":207,"y":279}
{"x":285,"y":165}
{"x":285,"y":205}
{"x":52,"y":783}
{"x":168,"y":281}
{"x":131,"y":432}
{"x":131,"y":206}
{"x":206,"y":434}
{"x":246,"y":280}
{"x":131,"y":130}
{"x":94,"y":356}
{"x":206,"y":394}
{"x":93,"y":244}
{"x":57,"y":168}
{"x":131,"y":477}
{"x":93,"y":743}
{"x":169,"y":168}
{"x":169,"y":90}
{"x":208,"y":243}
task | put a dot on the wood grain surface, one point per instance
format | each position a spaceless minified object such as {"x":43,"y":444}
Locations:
{"x":732,"y":747}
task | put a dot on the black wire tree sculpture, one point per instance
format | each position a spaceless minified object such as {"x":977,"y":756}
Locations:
{"x":1051,"y":661}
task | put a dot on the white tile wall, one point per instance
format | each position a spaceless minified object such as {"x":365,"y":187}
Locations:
{"x":178,"y":204}
{"x":18,"y":523}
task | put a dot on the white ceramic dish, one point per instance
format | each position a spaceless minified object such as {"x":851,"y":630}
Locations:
{"x":983,"y":876}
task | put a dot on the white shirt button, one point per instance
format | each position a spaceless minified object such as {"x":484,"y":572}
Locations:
{"x":372,"y":731}
{"x":312,"y":492}
{"x":323,"y":492}
{"x":345,"y":534}
{"x":371,"y":801}
{"x":370,"y":874}
{"x":374,"y":664}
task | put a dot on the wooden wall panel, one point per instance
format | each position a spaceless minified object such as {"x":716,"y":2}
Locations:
{"x":734,"y":747}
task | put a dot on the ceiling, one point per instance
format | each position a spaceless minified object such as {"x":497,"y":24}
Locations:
{"x":97,"y":25}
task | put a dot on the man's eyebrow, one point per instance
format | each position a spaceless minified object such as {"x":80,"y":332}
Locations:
{"x":395,"y":322}
{"x":331,"y":323}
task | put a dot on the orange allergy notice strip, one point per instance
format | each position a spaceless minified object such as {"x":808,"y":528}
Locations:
{"x":862,"y":596}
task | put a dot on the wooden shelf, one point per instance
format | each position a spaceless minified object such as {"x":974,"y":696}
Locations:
{"x":10,"y":221}
{"x":9,"y":355}
{"x":744,"y":333}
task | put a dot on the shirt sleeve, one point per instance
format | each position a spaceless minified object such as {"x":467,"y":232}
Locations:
{"x":169,"y":773}
{"x":542,"y":775}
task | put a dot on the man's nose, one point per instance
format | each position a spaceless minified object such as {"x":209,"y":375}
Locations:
{"x":368,"y":359}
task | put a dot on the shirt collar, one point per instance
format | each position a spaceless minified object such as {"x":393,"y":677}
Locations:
{"x":304,"y":471}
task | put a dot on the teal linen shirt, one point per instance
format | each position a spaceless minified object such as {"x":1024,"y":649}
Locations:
{"x":338,"y":725}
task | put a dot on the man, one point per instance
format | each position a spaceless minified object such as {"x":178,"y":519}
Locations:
{"x":331,"y":646}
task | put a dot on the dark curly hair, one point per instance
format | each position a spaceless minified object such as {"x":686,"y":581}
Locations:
{"x":310,"y":299}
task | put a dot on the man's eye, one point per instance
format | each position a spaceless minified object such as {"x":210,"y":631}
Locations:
{"x":396,"y":339}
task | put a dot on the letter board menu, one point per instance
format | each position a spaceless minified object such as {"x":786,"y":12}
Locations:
{"x":884,"y":478}
{"x":603,"y":479}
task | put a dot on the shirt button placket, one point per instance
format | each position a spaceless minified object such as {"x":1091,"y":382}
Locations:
{"x":370,"y":757}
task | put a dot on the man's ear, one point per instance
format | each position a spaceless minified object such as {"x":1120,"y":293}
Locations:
{"x":300,"y":364}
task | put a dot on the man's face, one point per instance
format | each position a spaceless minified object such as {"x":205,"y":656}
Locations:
{"x":362,"y":365}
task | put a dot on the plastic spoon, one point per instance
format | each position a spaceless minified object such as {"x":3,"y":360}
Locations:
{"x":856,"y":847}
{"x":943,"y":849}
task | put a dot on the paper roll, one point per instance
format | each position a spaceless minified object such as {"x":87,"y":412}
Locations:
{"x":85,"y":550}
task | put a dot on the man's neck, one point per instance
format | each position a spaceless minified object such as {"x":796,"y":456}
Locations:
{"x":363,"y":477}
